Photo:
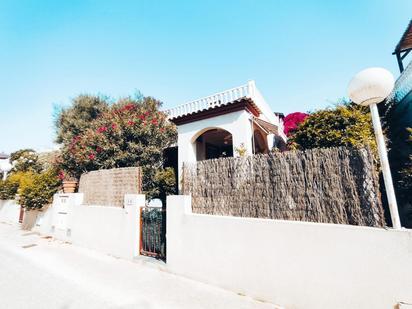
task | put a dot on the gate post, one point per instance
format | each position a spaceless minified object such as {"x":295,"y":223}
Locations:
{"x":132,"y":205}
{"x":177,"y":207}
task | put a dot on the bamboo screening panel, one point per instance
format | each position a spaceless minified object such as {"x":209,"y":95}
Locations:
{"x":108,"y":187}
{"x":333,"y":185}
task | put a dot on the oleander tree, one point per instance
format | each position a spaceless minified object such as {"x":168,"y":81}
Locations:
{"x":74,"y":120}
{"x":132,"y":132}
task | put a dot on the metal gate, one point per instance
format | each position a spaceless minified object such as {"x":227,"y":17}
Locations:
{"x":153,"y":232}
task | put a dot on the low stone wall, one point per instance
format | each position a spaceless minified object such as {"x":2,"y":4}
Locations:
{"x":292,"y":264}
{"x":108,"y":187}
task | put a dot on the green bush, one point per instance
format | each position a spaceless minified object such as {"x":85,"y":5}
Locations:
{"x":74,"y":120}
{"x":8,"y":190}
{"x":406,"y":173}
{"x":37,"y":190}
{"x":159,"y":183}
{"x":345,"y":125}
{"x":10,"y":186}
{"x":25,"y":160}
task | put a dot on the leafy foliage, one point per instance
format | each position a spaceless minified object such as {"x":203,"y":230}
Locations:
{"x":161,"y":184}
{"x":31,"y":181}
{"x":397,"y":119}
{"x":73,"y":121}
{"x":36,"y":190}
{"x":131,"y":132}
{"x":48,"y":159}
{"x":25,"y":160}
{"x":344,"y":125}
{"x":406,"y":173}
{"x":291,"y":122}
{"x":9,"y":187}
{"x":241,"y":151}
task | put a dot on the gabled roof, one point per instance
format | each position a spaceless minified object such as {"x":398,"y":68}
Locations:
{"x":220,"y":101}
{"x":405,"y":42}
{"x":3,"y":156}
{"x":243,"y":103}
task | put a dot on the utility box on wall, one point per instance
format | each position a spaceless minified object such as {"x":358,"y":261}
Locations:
{"x":57,"y":219}
{"x":62,"y":212}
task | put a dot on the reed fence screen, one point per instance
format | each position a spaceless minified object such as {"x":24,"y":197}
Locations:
{"x":334,"y":185}
{"x":108,"y":187}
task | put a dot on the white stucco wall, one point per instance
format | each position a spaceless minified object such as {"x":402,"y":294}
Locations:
{"x":237,"y":123}
{"x":292,"y":264}
{"x":112,"y":230}
{"x":9,"y":211}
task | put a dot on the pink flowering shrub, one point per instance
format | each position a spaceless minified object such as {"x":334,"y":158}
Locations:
{"x":131,"y":133}
{"x":291,"y":121}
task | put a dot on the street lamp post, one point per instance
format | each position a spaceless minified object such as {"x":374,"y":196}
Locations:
{"x":368,"y":88}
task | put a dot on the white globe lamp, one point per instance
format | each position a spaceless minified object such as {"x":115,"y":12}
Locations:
{"x":371,"y":86}
{"x":368,"y":88}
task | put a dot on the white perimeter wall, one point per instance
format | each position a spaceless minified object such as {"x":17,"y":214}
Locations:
{"x":9,"y":211}
{"x":292,"y":264}
{"x":113,"y":230}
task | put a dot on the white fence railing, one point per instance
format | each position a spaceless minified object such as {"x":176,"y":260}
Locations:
{"x":248,"y":90}
{"x":211,"y":101}
{"x":403,"y":85}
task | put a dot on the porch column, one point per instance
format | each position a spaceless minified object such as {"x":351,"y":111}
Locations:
{"x":242,"y":134}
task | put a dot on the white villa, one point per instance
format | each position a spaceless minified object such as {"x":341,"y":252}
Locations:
{"x":226,"y":124}
{"x":4,"y":164}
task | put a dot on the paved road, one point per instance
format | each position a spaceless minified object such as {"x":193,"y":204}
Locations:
{"x":36,"y":272}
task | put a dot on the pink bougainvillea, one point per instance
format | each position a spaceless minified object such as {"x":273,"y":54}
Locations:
{"x":291,"y":121}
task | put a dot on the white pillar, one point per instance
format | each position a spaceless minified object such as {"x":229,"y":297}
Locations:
{"x":242,"y":134}
{"x":251,"y":88}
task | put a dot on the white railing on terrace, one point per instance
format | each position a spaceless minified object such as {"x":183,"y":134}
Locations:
{"x":248,"y":90}
{"x":215,"y":100}
{"x":403,"y":85}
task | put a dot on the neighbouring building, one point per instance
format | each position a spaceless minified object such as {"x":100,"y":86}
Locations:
{"x":4,"y":164}
{"x":229,"y":123}
{"x":398,"y":117}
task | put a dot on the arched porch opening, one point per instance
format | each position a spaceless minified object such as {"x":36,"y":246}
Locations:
{"x":213,"y":143}
{"x":260,"y":142}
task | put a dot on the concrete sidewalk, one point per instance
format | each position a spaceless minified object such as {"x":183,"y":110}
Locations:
{"x":39,"y":272}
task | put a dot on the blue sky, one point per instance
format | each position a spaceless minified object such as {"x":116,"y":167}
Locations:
{"x":301,"y":53}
